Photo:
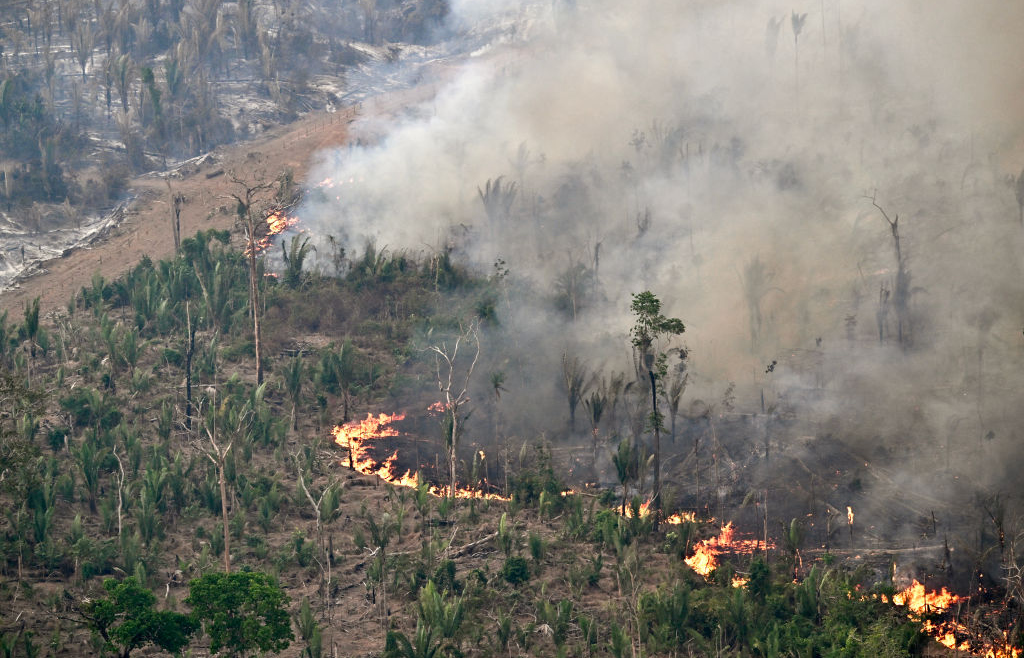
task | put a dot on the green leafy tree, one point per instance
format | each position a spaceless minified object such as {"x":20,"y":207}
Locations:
{"x":125,"y":620}
{"x":242,"y":612}
{"x":651,"y":325}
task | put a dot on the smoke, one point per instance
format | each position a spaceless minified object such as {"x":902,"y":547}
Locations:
{"x":733,"y":169}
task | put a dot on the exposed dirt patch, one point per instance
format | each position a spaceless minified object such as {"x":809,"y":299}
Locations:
{"x":206,"y":185}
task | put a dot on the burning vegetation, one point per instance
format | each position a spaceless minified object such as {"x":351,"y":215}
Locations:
{"x":452,"y":257}
{"x":360,"y":438}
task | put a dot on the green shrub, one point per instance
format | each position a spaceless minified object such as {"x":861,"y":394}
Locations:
{"x":173,"y":357}
{"x":515,"y":570}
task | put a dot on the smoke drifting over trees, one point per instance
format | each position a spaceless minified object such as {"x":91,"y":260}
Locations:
{"x":675,"y":148}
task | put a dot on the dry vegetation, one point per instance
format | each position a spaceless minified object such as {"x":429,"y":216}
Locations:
{"x":113,"y":465}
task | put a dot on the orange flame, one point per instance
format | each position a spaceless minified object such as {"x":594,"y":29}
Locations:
{"x":705,"y":555}
{"x":675,"y":519}
{"x":355,"y":438}
{"x":277,"y":222}
{"x":951,"y":634}
{"x":849,"y":515}
{"x":918,"y":600}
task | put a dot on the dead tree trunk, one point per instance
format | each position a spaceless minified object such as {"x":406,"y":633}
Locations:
{"x":447,"y":371}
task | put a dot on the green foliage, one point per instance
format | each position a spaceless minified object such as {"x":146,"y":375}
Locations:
{"x":294,"y":257}
{"x":650,"y":323}
{"x":437,"y":628}
{"x":32,"y":137}
{"x":515,"y":570}
{"x":241,"y":612}
{"x":18,"y":400}
{"x":536,"y":478}
{"x":125,"y":619}
{"x":89,"y":407}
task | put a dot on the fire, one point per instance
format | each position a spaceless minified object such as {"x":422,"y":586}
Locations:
{"x":705,"y":556}
{"x":356,"y":438}
{"x":277,"y":223}
{"x":675,"y":519}
{"x":951,"y":634}
{"x":681,"y":517}
{"x":918,"y":600}
{"x":849,"y":515}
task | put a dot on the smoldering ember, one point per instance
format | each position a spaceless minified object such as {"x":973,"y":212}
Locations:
{"x":420,"y":328}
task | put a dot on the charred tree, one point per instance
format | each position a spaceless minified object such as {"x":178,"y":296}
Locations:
{"x":901,"y":289}
{"x":453,"y":376}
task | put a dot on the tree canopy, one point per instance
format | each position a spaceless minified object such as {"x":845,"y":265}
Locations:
{"x":242,"y":612}
{"x":125,"y":619}
{"x":650,"y":322}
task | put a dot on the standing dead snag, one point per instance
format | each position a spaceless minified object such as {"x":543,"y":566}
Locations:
{"x":325,"y":508}
{"x":217,"y":454}
{"x":447,"y":364}
{"x":901,"y":291}
{"x":175,"y":201}
{"x":1018,"y":190}
{"x":252,"y":202}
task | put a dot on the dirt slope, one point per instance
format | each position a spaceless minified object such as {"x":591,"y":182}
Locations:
{"x":147,"y":228}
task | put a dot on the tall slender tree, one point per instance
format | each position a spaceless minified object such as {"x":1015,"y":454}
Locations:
{"x":252,"y":199}
{"x":651,"y":326}
{"x":453,"y":376}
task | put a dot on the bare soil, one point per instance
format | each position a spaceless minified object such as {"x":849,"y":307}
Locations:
{"x":147,"y":229}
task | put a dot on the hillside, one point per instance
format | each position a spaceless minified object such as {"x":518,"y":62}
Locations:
{"x":570,"y":328}
{"x":112,"y":481}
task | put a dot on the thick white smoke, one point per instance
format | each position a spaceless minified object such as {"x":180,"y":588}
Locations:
{"x":724,"y":155}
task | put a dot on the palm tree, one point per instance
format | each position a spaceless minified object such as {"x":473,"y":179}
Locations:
{"x":294,"y":255}
{"x":576,"y":379}
{"x":123,"y":72}
{"x":793,"y":540}
{"x":293,"y":381}
{"x":595,"y":406}
{"x":626,"y":467}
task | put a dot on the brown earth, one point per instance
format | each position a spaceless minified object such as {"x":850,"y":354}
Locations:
{"x":146,"y":231}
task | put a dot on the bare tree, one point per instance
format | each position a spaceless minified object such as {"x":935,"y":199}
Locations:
{"x":217,"y":453}
{"x":190,"y":350}
{"x":756,"y":285}
{"x":453,"y":376}
{"x":253,"y":199}
{"x":120,"y":491}
{"x":901,"y":290}
{"x":325,"y":508}
{"x":1018,"y":190}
